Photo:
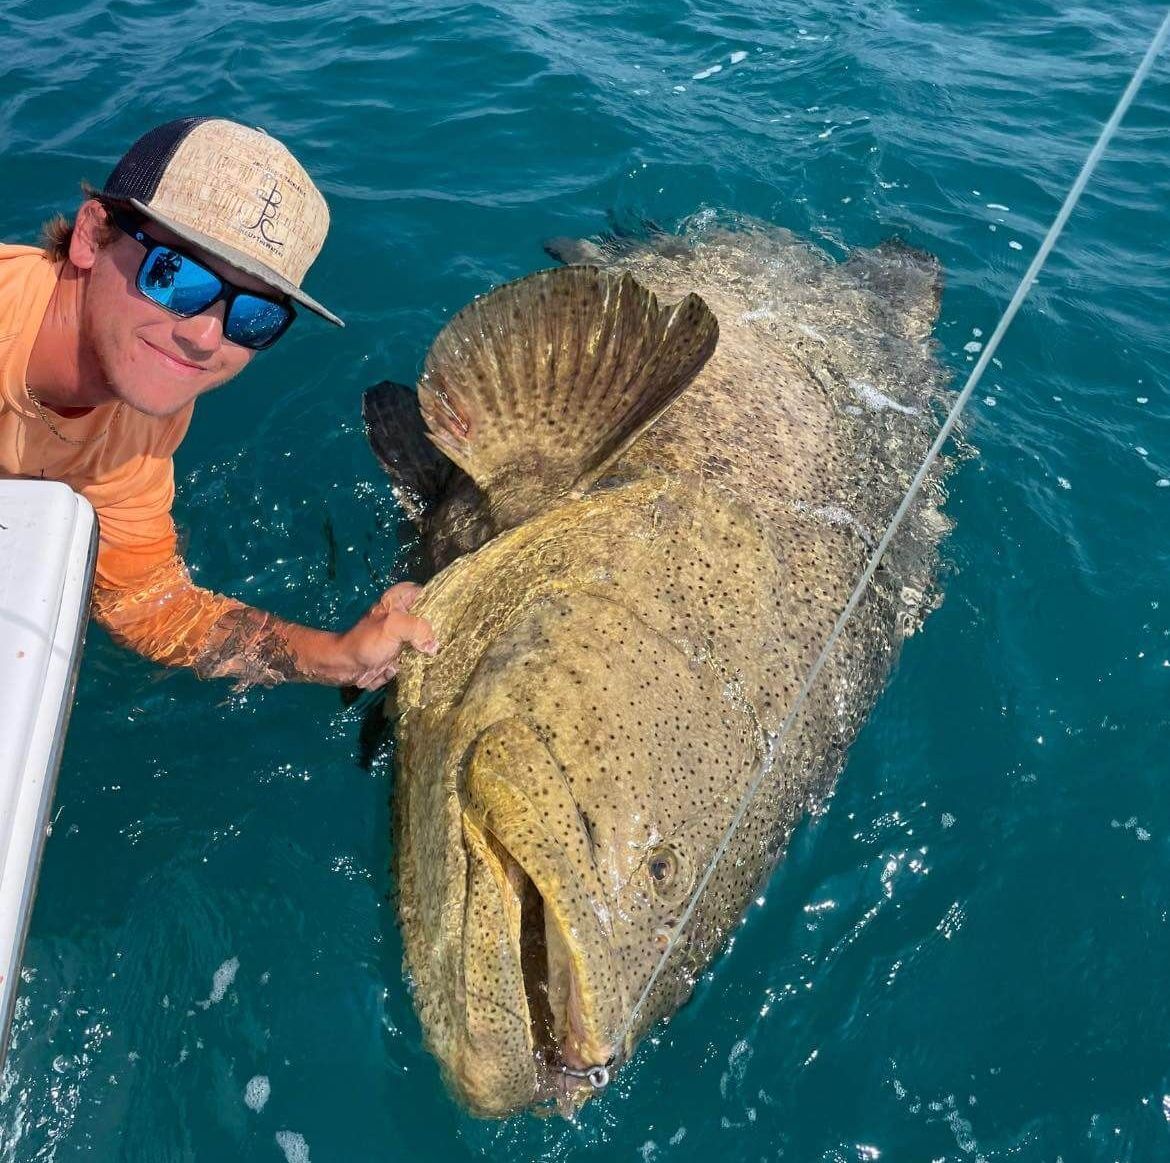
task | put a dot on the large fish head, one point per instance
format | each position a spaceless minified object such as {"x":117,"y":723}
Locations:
{"x":590,"y":768}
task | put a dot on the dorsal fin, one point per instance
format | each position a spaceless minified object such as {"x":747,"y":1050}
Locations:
{"x":420,"y":475}
{"x":535,"y":388}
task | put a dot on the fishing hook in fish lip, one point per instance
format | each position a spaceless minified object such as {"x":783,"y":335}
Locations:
{"x":597,"y":1076}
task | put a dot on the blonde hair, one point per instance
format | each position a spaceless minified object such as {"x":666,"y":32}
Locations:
{"x":57,"y":232}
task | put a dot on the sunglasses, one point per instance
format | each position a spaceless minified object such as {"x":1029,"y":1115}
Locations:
{"x":179,"y":283}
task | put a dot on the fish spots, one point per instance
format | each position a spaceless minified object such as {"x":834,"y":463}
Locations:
{"x":646,"y":767}
{"x":717,"y":465}
{"x":651,"y":636}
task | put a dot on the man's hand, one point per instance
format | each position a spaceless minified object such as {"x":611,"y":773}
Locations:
{"x":371,"y":648}
{"x":365,"y":656}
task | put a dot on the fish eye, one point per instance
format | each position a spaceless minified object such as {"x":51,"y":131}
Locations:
{"x":662,"y":865}
{"x":670,"y":872}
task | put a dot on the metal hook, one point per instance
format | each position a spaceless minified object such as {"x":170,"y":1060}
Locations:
{"x":596,"y":1076}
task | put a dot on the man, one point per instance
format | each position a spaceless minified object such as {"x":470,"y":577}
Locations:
{"x":165,"y":286}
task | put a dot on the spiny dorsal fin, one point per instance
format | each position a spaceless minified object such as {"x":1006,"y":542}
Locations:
{"x":419,"y":473}
{"x":537,"y":387}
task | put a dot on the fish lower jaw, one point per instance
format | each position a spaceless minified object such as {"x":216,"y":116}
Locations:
{"x":569,"y":1069}
{"x":564,"y":1051}
{"x":528,"y":1030}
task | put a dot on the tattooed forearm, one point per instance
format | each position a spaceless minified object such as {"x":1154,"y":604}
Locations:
{"x":163,"y":615}
{"x":250,"y":646}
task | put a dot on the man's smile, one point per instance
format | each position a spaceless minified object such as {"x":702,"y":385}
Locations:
{"x":183,"y":366}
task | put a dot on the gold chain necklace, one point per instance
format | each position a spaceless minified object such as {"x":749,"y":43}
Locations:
{"x":43,"y":413}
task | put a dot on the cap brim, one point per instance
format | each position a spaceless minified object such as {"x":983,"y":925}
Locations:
{"x":239,"y":260}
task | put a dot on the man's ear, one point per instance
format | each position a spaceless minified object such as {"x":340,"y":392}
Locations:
{"x":90,"y":230}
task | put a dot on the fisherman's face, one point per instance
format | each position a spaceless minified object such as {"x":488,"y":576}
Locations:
{"x":152,"y":360}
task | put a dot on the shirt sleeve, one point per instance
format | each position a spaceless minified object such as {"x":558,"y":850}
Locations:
{"x":161,"y":613}
{"x":143,"y":593}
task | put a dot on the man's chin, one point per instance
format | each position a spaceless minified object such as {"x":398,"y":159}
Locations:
{"x":157,"y":399}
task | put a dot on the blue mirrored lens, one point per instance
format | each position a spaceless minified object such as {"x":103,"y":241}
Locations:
{"x":177,"y":283}
{"x":255,"y":322}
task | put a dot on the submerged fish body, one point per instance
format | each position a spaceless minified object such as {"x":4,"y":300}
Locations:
{"x":645,"y":543}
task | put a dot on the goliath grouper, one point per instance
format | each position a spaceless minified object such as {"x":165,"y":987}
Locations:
{"x":646,"y":520}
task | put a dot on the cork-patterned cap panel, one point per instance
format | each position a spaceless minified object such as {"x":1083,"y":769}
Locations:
{"x":245,"y":188}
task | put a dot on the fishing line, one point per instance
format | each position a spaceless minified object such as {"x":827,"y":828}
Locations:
{"x":775,"y":740}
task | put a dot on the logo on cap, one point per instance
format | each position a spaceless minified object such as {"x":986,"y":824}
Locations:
{"x":268,"y":212}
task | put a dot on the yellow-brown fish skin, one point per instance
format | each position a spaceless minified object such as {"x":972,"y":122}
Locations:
{"x":616,"y":667}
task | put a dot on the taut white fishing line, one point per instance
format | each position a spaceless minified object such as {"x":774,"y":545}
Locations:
{"x":1022,"y":290}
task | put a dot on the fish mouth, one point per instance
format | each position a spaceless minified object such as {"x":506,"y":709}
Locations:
{"x":564,"y":1045}
{"x":542,"y":998}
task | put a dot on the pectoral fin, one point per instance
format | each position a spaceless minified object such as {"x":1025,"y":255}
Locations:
{"x":420,"y":475}
{"x":535,"y":388}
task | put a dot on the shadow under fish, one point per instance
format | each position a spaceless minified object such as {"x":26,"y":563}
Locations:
{"x":645,"y":519}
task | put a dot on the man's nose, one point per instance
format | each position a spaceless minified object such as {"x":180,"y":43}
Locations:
{"x":202,"y":334}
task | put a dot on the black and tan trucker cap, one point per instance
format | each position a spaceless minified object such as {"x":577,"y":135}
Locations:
{"x":235,"y":192}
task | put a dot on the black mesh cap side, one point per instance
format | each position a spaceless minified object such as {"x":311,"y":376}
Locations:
{"x":142,"y":166}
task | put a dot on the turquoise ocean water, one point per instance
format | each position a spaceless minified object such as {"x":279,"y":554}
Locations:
{"x":966,"y":956}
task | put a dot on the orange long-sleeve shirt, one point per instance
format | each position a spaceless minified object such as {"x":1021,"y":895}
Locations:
{"x":120,"y":461}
